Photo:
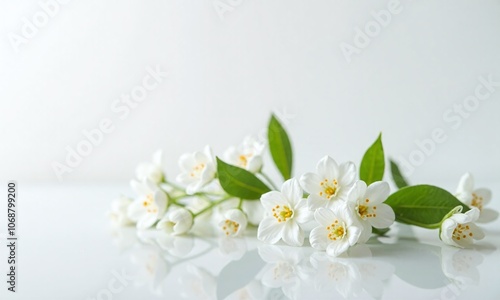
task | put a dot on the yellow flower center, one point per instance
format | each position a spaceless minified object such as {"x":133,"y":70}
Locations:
{"x":366,"y":211}
{"x":462,"y":232}
{"x":329,"y":189}
{"x":243,"y":159}
{"x":282,"y":214}
{"x":230,"y":227}
{"x":336,"y":230}
{"x":149,"y":204}
{"x":477,"y":201}
{"x":197,"y":170}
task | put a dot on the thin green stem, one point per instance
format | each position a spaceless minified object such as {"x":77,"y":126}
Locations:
{"x":212,"y":205}
{"x":268,"y":180}
{"x":240,"y":204}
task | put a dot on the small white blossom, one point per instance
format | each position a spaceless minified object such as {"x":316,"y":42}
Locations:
{"x":286,"y":212}
{"x":176,"y":221}
{"x":198,"y":169}
{"x":475,"y":198}
{"x":149,"y":206}
{"x":459,"y":229}
{"x":330,"y":183}
{"x":338,"y":230}
{"x":233,"y":223}
{"x":118,"y":213}
{"x":367,"y":205}
{"x":151,"y":170}
{"x":248,"y":155}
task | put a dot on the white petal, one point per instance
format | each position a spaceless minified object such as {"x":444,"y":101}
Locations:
{"x":357,"y":192}
{"x":385,"y":216}
{"x":365,"y":233}
{"x":293,"y":234}
{"x":292,"y":191}
{"x":269,"y":230}
{"x":314,"y":202}
{"x":477,"y":232}
{"x":324,"y":216}
{"x":255,"y":164}
{"x":135,"y":210}
{"x":301,"y":212}
{"x":378,"y":192}
{"x":347,"y":174}
{"x":354,"y":233}
{"x":237,"y":216}
{"x":447,"y":228}
{"x":147,"y":220}
{"x":473,"y":215}
{"x":186,"y":162}
{"x":271,"y":199}
{"x":466,"y":183}
{"x":319,"y":238}
{"x":310,"y":182}
{"x":328,"y":168}
{"x":337,"y":247}
{"x":161,"y":201}
{"x":485,"y":194}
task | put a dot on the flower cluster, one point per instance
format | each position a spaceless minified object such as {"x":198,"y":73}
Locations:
{"x":196,"y":194}
{"x":344,"y":208}
{"x":336,"y":206}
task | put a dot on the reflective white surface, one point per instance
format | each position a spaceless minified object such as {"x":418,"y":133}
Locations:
{"x":67,"y":250}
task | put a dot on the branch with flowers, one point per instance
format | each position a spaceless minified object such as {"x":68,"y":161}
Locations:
{"x":233,"y":191}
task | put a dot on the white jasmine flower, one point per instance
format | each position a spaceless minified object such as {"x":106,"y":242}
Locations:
{"x":151,"y":170}
{"x":331,"y":182}
{"x":248,"y":155}
{"x":118,"y":213}
{"x":338,"y":230}
{"x":234,"y":222}
{"x":459,"y":229}
{"x":176,"y":221}
{"x":149,"y":206}
{"x":198,"y":169}
{"x":286,"y":212}
{"x":367,"y":205}
{"x":475,"y":198}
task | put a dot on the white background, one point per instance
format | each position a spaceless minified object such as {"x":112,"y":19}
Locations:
{"x":225,"y":76}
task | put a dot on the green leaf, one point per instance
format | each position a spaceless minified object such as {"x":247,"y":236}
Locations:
{"x":397,"y":177}
{"x":280,"y":147}
{"x":239,"y":182}
{"x":373,"y":163}
{"x":423,"y":205}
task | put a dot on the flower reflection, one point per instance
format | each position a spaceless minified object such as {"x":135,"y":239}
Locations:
{"x":460,"y":265}
{"x":350,"y":276}
{"x":198,"y":283}
{"x":234,"y":248}
{"x":178,"y":246}
{"x":284,"y":269}
{"x":151,"y":267}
